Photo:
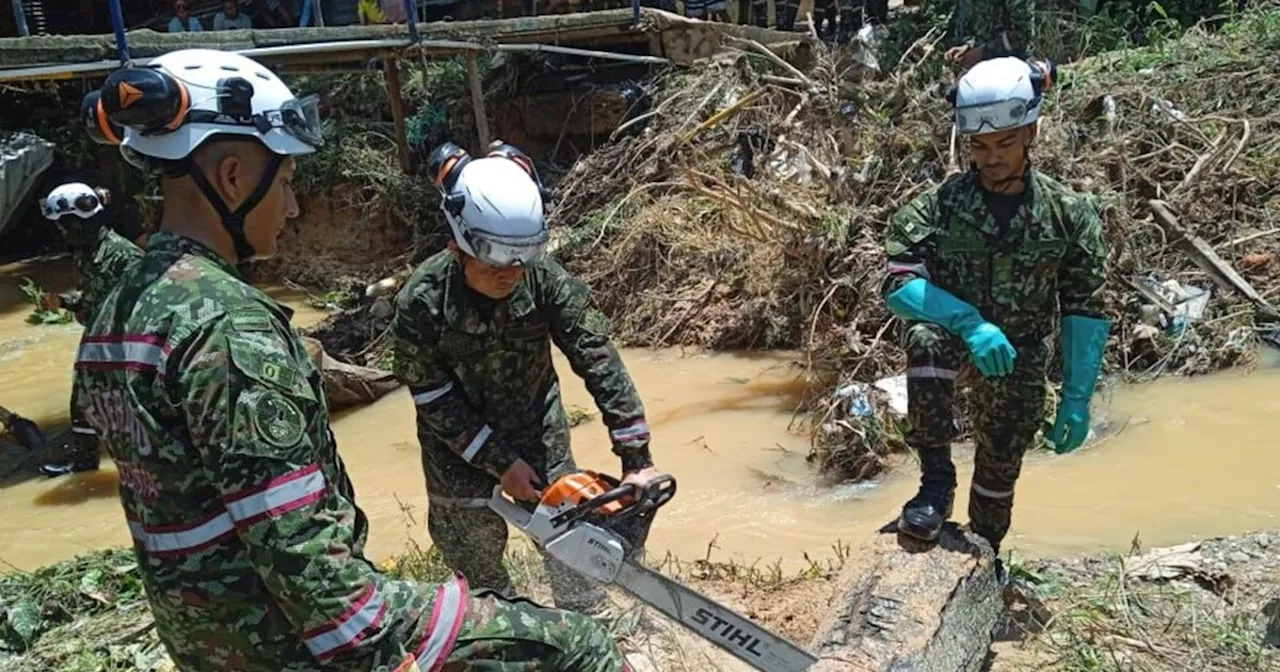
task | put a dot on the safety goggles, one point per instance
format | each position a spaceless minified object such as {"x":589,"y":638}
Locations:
{"x":507,"y":252}
{"x":992,"y":117}
{"x":299,"y":117}
{"x":83,"y":205}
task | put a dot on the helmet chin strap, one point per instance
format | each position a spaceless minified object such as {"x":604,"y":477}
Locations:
{"x":233,"y":222}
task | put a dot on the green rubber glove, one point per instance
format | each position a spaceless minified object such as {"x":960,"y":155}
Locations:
{"x":1084,"y":340}
{"x":923,"y":301}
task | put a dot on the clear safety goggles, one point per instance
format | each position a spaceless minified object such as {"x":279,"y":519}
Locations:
{"x":502,"y":252}
{"x":299,"y":117}
{"x":83,"y":204}
{"x":992,"y":117}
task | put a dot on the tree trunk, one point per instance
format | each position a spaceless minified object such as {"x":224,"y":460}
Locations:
{"x":904,"y":606}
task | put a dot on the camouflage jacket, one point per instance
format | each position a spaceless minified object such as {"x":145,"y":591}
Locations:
{"x":100,"y":262}
{"x":486,"y":389}
{"x":1000,"y":27}
{"x":247,"y":535}
{"x":1052,"y":252}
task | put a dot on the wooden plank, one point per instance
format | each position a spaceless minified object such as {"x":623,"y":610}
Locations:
{"x":1203,"y":255}
{"x":906,"y":606}
{"x":391,"y":67}
{"x":477,"y":103}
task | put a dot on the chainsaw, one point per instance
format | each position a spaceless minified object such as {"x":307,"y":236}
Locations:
{"x":597,"y":526}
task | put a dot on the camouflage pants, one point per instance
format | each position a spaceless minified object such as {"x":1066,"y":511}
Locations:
{"x":1008,"y":412}
{"x":502,"y":635}
{"x":82,"y":446}
{"x":472,"y":538}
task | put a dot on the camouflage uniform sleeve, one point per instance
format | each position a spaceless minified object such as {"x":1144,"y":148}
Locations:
{"x":581,"y":331}
{"x":1083,"y":273}
{"x":113,"y":256}
{"x":1004,"y":27}
{"x":257,"y":423}
{"x":910,"y":245}
{"x":443,"y":411}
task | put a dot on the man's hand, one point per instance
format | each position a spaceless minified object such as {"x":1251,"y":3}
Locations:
{"x":641,"y":477}
{"x":50,"y":301}
{"x":965,"y":56}
{"x":521,"y":481}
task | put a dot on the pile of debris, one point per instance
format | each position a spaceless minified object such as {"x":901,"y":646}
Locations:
{"x":747,"y":207}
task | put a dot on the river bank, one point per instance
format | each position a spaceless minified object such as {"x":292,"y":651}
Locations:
{"x":1201,"y":606}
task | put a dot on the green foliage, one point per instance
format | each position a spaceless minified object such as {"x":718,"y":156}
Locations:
{"x":40,"y":314}
{"x":87,"y":585}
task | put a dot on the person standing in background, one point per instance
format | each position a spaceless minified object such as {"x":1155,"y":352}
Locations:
{"x":231,"y":18}
{"x":183,"y":21}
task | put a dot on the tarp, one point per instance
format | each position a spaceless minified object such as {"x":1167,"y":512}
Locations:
{"x":23,"y":158}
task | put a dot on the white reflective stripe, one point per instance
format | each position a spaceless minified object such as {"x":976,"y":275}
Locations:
{"x":295,"y":486}
{"x":75,"y":429}
{"x":424,"y":398}
{"x":353,"y":623}
{"x":476,"y":443}
{"x":636,"y":430}
{"x":932,"y":372}
{"x":991,"y":494}
{"x":458,"y":502}
{"x":444,"y":625}
{"x":181,"y":540}
{"x":127,"y":352}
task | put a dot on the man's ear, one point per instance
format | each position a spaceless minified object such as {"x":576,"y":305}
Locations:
{"x":229,"y":179}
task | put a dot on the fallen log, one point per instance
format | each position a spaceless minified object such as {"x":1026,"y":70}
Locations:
{"x":906,"y":606}
{"x":1203,"y":255}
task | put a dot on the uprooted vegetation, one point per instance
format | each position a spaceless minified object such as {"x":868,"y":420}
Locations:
{"x":751,"y":210}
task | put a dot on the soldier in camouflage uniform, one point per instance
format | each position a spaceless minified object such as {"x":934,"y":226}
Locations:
{"x":247,"y":534}
{"x":980,"y":264}
{"x":473,"y":331}
{"x":101,"y":257}
{"x":992,"y":29}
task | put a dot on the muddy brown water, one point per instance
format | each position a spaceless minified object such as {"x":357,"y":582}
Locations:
{"x":1181,"y":460}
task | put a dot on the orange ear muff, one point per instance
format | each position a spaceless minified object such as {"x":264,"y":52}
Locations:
{"x":146,"y":99}
{"x":93,"y":115}
{"x":1044,"y":75}
{"x":445,"y":164}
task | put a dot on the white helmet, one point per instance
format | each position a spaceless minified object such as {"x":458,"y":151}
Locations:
{"x":74,"y":198}
{"x":1001,"y":94}
{"x":160,"y":114}
{"x":494,"y":205}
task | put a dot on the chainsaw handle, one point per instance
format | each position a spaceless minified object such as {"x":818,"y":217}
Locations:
{"x":644,"y":498}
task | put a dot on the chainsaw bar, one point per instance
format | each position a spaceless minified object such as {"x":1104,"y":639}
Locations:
{"x":715,"y":623}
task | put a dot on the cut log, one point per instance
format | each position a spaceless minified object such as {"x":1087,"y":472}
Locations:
{"x":901,"y":605}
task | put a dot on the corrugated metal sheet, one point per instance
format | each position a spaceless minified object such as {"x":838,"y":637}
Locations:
{"x":23,"y":159}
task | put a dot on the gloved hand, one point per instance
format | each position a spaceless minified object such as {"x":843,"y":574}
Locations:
{"x":1084,"y":339}
{"x":923,"y":301}
{"x":990,"y":349}
{"x":1071,"y":427}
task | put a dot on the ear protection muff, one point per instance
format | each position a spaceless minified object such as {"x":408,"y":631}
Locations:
{"x":1044,"y":73}
{"x":502,"y":149}
{"x":93,"y":115}
{"x":144,"y":99}
{"x":445,"y":165}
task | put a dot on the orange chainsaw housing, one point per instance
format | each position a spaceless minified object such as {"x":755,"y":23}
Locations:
{"x":573,"y":489}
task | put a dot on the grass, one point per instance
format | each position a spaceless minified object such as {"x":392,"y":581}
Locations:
{"x":40,"y":314}
{"x":1107,"y":620}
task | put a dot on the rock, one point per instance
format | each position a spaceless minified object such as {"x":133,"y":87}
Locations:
{"x":1238,"y":557}
{"x":907,"y":606}
{"x":1263,"y":541}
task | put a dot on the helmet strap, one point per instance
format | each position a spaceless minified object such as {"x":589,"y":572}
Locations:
{"x":233,"y":222}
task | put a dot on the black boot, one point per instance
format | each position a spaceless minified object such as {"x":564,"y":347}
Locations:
{"x":923,"y":516}
{"x":56,"y":468}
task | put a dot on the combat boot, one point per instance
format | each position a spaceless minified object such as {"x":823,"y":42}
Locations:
{"x":57,"y":468}
{"x":923,"y":516}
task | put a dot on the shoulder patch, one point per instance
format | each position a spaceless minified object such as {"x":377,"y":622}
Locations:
{"x":277,"y":420}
